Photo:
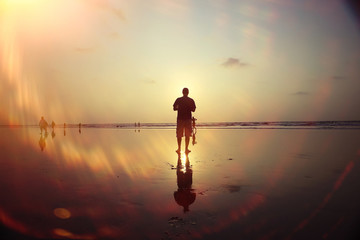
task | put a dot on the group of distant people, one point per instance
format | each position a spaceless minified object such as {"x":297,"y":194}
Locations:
{"x":43,"y":124}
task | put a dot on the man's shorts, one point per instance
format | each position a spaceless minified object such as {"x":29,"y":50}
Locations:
{"x":183,"y":125}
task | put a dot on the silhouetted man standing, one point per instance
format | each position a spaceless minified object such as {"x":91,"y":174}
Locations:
{"x":184,"y":105}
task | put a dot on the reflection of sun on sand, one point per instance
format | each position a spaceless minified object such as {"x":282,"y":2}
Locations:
{"x":63,"y":232}
{"x":182,"y":162}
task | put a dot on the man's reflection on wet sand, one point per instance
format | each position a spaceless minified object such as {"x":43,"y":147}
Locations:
{"x":185,"y":195}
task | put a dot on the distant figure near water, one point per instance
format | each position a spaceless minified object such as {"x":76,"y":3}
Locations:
{"x":43,"y":125}
{"x":184,"y":106}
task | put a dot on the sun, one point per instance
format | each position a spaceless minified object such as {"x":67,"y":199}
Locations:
{"x":20,"y":1}
{"x":19,"y":5}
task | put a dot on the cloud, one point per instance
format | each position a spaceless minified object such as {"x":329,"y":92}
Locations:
{"x":114,"y":35}
{"x":338,"y":78}
{"x":149,"y":81}
{"x":300,"y":93}
{"x":107,"y":6}
{"x":234,"y":62}
{"x":118,"y":13}
{"x":84,"y":50}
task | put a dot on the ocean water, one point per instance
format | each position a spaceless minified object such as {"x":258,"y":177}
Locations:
{"x":228,"y":125}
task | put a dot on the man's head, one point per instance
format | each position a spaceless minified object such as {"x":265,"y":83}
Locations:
{"x":185,"y":91}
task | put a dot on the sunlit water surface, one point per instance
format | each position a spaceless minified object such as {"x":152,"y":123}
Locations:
{"x":95,"y":183}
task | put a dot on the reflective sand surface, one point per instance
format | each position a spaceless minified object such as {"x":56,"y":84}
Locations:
{"x":130,"y":184}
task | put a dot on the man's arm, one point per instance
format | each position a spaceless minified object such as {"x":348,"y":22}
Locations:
{"x":193,"y":106}
{"x":176,"y":105}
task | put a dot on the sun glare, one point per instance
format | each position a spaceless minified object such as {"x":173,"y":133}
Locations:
{"x":183,"y":162}
{"x":8,"y":2}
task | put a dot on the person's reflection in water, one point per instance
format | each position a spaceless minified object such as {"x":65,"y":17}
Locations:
{"x":185,"y":195}
{"x":53,"y":133}
{"x":42,"y":141}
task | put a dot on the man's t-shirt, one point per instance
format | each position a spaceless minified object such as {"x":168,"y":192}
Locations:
{"x":185,"y":106}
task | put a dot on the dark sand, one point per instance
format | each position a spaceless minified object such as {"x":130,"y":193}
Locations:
{"x":124,"y":184}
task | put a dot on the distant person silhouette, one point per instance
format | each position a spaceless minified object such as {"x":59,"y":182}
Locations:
{"x":184,"y":106}
{"x":185,"y":195}
{"x":43,"y":125}
{"x":53,"y":125}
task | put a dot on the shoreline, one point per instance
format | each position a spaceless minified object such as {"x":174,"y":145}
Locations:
{"x":212,"y":125}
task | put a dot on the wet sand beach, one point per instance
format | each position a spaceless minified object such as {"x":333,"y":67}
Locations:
{"x":131,"y":184}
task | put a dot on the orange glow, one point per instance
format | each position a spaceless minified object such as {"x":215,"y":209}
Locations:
{"x":24,"y":99}
{"x":24,"y":73}
{"x":94,"y":158}
{"x":62,"y":213}
{"x":62,"y":232}
{"x":4,"y":218}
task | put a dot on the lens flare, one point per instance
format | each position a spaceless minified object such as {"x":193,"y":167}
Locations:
{"x":62,"y":213}
{"x":23,"y":101}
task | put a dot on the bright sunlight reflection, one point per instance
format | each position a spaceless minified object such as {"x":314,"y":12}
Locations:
{"x":182,"y":164}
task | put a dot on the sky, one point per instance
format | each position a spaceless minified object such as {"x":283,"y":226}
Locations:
{"x":107,"y":61}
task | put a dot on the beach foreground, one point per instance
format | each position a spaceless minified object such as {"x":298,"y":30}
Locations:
{"x":130,"y":184}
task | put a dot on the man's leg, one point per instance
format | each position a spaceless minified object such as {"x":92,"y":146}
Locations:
{"x":179,"y":144}
{"x":187,"y":140}
{"x":188,"y":131}
{"x":179,"y":134}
